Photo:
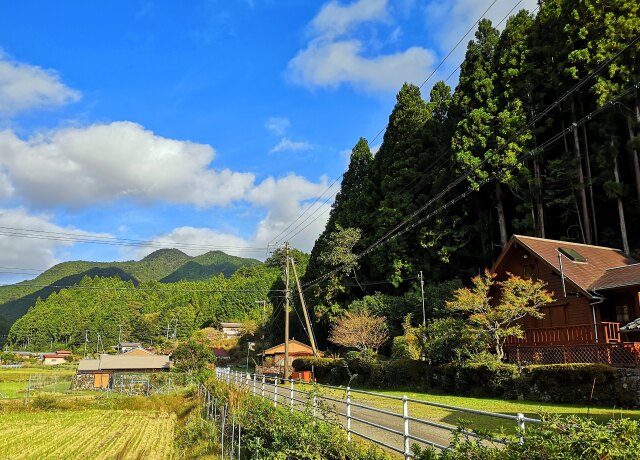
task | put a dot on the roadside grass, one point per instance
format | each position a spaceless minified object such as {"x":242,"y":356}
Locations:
{"x":532,"y":409}
{"x":91,"y":433}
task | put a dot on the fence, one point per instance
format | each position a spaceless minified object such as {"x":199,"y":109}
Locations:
{"x":393,"y":429}
{"x":228,"y":428}
{"x":614,"y":354}
{"x":49,"y":383}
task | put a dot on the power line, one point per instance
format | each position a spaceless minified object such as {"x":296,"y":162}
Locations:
{"x":105,"y":288}
{"x":108,"y":240}
{"x":382,"y":130}
{"x":391,"y":233}
{"x":305,"y":211}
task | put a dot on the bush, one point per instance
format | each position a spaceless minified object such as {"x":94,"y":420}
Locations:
{"x":491,"y":378}
{"x":572,"y":383}
{"x":44,"y":402}
{"x":569,"y":438}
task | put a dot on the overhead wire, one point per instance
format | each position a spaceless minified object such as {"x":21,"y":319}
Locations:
{"x":536,"y":118}
{"x":441,"y":159}
{"x":451,"y":51}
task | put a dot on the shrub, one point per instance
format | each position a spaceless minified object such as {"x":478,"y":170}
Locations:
{"x":569,"y":438}
{"x":44,"y":402}
{"x":572,"y":383}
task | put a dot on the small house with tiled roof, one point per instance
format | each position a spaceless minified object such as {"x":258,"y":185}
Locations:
{"x":596,"y":291}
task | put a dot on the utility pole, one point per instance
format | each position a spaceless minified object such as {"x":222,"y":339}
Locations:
{"x":86,"y":340}
{"x":168,"y":327}
{"x":264,"y":312}
{"x":286,"y":311}
{"x":310,"y":333}
{"x":424,"y":315}
{"x":119,"y":334}
{"x":51,"y":344}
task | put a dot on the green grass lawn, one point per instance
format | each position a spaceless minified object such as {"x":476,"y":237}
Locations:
{"x":451,"y":417}
{"x":13,"y":381}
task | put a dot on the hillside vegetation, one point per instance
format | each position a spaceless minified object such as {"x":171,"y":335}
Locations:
{"x":164,"y":265}
{"x":515,"y":148}
{"x":144,"y":310}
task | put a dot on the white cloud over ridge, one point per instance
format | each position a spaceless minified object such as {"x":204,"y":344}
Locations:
{"x":36,"y":253}
{"x":77,"y":167}
{"x":284,"y":199}
{"x":24,"y":87}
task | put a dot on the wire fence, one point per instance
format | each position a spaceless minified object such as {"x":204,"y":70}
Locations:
{"x":395,"y":423}
{"x":226,"y":426}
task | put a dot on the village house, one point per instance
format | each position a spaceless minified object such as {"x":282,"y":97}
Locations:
{"x":124,"y":347}
{"x":596,"y":293}
{"x":137,"y":361}
{"x":273,"y":358}
{"x":231,"y":329}
{"x":222,"y":355}
{"x":53,"y":359}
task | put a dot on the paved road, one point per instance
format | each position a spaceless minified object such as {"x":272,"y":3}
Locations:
{"x":336,"y":410}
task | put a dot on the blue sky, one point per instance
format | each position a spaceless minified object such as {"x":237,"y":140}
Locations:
{"x":213,"y":123}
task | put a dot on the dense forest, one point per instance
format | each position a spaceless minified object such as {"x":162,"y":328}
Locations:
{"x":539,"y":137}
{"x":164,"y":266}
{"x":146,"y":312}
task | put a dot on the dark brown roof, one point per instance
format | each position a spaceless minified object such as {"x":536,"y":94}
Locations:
{"x":627,"y":275}
{"x":581,"y":274}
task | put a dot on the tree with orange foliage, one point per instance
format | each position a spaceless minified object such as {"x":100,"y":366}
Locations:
{"x":516,"y":298}
{"x":360,"y":330}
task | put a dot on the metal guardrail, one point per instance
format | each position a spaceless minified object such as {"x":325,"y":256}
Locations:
{"x":277,"y":389}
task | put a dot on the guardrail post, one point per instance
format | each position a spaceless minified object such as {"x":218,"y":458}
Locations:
{"x":254,"y":384}
{"x":315,"y":405}
{"x":263,"y":381}
{"x":291,"y":396}
{"x":521,"y":426}
{"x":348,"y":414}
{"x":405,"y":419}
{"x":275,"y":392}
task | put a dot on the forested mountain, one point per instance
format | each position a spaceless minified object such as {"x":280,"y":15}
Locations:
{"x":146,"y":311}
{"x":164,"y":265}
{"x":561,"y":162}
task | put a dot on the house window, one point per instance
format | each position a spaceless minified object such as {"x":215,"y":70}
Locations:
{"x":622,"y":313}
{"x":529,"y":270}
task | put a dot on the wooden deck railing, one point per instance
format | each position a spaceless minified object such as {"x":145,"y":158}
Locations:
{"x":614,"y":354}
{"x":608,"y":332}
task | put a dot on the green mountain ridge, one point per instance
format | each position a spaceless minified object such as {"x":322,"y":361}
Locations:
{"x":163,"y":265}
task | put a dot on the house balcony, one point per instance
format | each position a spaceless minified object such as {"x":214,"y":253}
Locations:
{"x":607,"y":332}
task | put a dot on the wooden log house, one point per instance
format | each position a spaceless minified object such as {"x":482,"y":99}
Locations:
{"x":596,"y":291}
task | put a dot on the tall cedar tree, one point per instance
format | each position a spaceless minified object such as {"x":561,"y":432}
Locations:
{"x":395,"y":180}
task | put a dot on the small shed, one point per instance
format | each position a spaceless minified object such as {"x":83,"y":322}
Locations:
{"x":221,"y":354}
{"x":102,"y":368}
{"x":296,"y":350}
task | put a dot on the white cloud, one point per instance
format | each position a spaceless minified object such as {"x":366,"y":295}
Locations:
{"x":32,"y":253}
{"x":329,"y":64}
{"x":287,"y":144}
{"x":24,"y":87}
{"x":335,"y":19}
{"x":334,"y":57}
{"x":78,"y":167}
{"x":284,"y":199}
{"x":448,"y":21}
{"x":277,"y":125}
